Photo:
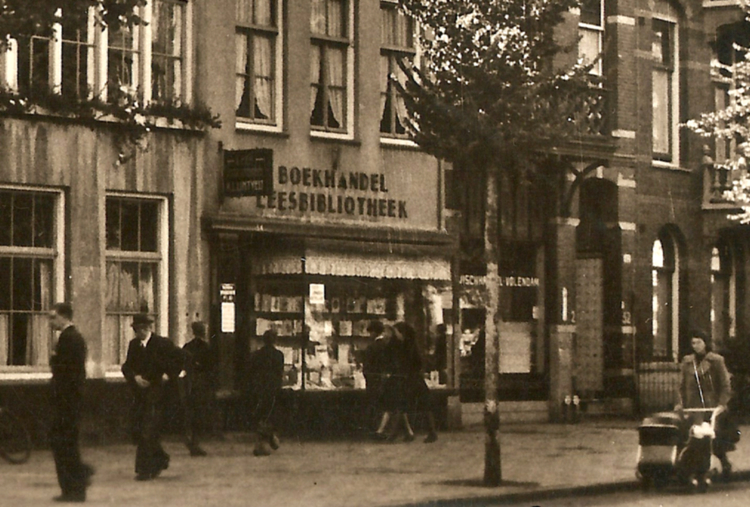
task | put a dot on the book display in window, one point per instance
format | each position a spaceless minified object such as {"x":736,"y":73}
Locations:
{"x":337,"y":329}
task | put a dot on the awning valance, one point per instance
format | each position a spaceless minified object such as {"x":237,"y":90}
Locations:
{"x":355,"y":264}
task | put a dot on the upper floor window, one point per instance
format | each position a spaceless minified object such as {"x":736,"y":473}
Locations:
{"x":77,"y":65}
{"x":665,"y":85}
{"x":31,"y":267}
{"x":150,"y":61}
{"x":591,"y":33}
{"x":331,"y":61}
{"x":33,"y":66}
{"x":123,"y":61}
{"x":396,"y":44}
{"x":258,"y":46}
{"x":167,"y":48}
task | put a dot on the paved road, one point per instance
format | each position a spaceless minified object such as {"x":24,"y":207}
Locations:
{"x":736,"y":494}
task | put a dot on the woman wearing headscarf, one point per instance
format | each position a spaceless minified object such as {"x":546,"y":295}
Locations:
{"x":705,"y":383}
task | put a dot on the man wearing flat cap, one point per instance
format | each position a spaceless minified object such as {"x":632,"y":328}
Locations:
{"x":151,"y":360}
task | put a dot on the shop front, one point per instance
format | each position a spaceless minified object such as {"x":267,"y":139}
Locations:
{"x":316,"y":260}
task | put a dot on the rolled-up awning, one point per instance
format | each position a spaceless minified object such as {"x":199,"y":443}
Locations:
{"x":356,"y":264}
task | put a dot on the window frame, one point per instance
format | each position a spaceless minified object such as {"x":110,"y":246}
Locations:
{"x":392,"y":52}
{"x":160,"y":257}
{"x":184,"y":49}
{"x":276,"y":123}
{"x":347,"y":43}
{"x":599,"y":29}
{"x":672,"y":158}
{"x":57,"y":255}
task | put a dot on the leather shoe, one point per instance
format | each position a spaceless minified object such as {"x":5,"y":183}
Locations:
{"x":144,"y":477}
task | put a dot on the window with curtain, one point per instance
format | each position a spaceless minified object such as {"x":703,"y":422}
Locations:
{"x":132,"y":268}
{"x":123,"y":62}
{"x":723,"y":302}
{"x":664,"y":90}
{"x":33,"y":66}
{"x":256,"y":40}
{"x":77,"y":59}
{"x":396,"y":44}
{"x":328,"y":64}
{"x":665,"y":299}
{"x":167,"y":48}
{"x":27,"y":254}
{"x":591,"y":33}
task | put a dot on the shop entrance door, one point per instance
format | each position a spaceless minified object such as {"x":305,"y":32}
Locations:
{"x":589,"y":344}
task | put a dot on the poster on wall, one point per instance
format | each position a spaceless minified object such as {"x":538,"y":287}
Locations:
{"x":227,"y":294}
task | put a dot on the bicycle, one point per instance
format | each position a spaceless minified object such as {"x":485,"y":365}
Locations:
{"x":15,"y":441}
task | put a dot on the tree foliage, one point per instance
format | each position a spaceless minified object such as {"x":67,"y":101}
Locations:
{"x":491,"y":87}
{"x":22,"y":18}
{"x":732,"y":123}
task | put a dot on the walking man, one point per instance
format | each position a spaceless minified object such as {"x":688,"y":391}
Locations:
{"x":200,"y":387}
{"x":266,"y":373}
{"x":68,"y":363}
{"x":151,"y":360}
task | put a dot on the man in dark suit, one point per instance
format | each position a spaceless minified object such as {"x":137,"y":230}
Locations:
{"x":200,"y":387}
{"x":68,"y":363}
{"x":151,"y":360}
{"x":266,"y":367}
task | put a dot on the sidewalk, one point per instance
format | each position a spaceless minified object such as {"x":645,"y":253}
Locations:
{"x":536,"y":458}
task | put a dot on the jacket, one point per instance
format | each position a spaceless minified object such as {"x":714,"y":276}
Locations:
{"x":710,"y":373}
{"x":159,"y":357}
{"x":68,"y":364}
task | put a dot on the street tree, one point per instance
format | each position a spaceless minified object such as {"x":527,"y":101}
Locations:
{"x":730,"y":126}
{"x":496,"y":92}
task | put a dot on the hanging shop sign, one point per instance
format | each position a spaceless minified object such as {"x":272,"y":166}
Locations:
{"x":328,"y":191}
{"x":248,"y":172}
{"x":227,"y":295}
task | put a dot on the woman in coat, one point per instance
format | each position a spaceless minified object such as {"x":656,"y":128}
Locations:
{"x":418,"y":397}
{"x":705,"y":383}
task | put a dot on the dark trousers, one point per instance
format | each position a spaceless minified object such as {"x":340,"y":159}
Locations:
{"x":150,"y":457}
{"x":198,"y":410}
{"x":262,"y":413}
{"x":72,"y":473}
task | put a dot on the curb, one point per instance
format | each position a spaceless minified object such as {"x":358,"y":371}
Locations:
{"x":547,"y":494}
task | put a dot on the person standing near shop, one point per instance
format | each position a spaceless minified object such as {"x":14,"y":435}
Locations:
{"x":418,"y":396}
{"x":151,"y":359}
{"x":705,"y":383}
{"x":200,"y":387}
{"x":68,"y":364}
{"x":373,"y":369}
{"x":266,"y":368}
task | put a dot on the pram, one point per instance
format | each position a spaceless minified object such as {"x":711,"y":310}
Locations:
{"x":677,"y":447}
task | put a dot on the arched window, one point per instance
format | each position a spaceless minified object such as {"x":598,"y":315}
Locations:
{"x":665,"y":272}
{"x":723,"y":294}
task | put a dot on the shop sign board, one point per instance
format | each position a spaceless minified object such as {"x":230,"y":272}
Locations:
{"x":248,"y":172}
{"x":317,"y":294}
{"x":227,"y":294}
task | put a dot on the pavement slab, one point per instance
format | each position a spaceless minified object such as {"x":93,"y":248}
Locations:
{"x":536,"y":458}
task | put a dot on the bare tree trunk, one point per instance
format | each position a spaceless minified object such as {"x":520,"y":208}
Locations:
{"x":492,"y":468}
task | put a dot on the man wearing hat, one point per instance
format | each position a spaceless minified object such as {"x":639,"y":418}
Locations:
{"x":150,"y":361}
{"x":200,"y":387}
